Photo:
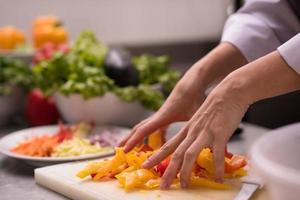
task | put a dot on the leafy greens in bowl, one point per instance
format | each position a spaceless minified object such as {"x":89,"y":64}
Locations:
{"x":14,"y":76}
{"x":13,"y":72}
{"x":83,"y":71}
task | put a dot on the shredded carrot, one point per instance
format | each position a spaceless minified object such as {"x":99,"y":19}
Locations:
{"x":41,"y":146}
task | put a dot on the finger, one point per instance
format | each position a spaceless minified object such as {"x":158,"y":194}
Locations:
{"x":123,"y":142}
{"x":164,"y":133}
{"x":166,"y":149}
{"x":144,"y":130}
{"x":219,"y":162}
{"x":190,"y":157}
{"x":176,"y":162}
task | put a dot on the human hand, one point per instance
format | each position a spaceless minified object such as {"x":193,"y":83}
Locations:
{"x":182,"y":103}
{"x":211,"y":126}
{"x":188,"y":94}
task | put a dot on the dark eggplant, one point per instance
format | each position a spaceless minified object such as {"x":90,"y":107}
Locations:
{"x":119,"y":67}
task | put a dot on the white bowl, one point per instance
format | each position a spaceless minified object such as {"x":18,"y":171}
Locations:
{"x":108,"y":109}
{"x":275,"y":158}
{"x":25,"y":57}
{"x":10,"y":105}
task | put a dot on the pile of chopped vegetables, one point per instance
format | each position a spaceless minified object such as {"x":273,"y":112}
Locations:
{"x":126,"y":168}
{"x":68,"y":141}
{"x":41,"y":146}
{"x":76,"y":147}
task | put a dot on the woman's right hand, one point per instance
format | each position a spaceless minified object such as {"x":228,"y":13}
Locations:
{"x":189,"y":93}
{"x":182,"y":103}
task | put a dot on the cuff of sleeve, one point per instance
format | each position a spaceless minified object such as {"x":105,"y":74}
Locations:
{"x":250,"y":35}
{"x":289,"y":52}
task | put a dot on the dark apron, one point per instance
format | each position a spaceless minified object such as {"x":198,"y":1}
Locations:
{"x":295,"y":5}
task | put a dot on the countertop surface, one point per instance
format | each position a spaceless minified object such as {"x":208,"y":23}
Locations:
{"x":17,"y":181}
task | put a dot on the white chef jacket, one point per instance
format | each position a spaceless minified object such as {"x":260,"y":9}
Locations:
{"x":262,"y":26}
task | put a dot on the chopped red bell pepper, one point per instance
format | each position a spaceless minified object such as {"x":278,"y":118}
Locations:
{"x":235,"y":163}
{"x":64,"y":133}
{"x":93,"y":175}
{"x":146,"y":148}
{"x":162,"y":166}
{"x":227,"y":153}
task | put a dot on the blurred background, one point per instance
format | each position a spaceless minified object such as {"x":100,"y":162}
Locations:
{"x":183,"y":29}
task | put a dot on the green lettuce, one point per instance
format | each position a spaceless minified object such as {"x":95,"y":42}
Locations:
{"x":13,"y":72}
{"x":82,"y":71}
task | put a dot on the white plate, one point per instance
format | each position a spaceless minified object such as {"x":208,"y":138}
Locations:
{"x":12,"y":139}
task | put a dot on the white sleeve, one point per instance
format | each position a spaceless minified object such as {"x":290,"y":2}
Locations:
{"x":290,"y":52}
{"x":260,"y":27}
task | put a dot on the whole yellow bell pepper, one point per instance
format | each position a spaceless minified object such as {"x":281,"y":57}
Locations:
{"x":10,"y":37}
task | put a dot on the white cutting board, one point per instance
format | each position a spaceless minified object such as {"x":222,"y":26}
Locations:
{"x":61,"y":178}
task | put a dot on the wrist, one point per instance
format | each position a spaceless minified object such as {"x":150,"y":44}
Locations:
{"x":235,"y":88}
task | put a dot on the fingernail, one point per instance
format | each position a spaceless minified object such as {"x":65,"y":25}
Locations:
{"x":183,"y":184}
{"x":164,"y":185}
{"x":219,"y":180}
{"x":125,"y":149}
{"x":145,"y":164}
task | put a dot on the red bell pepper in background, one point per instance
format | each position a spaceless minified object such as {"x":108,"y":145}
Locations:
{"x":40,"y":110}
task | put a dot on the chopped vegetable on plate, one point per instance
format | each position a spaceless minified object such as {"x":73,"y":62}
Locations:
{"x":68,"y":141}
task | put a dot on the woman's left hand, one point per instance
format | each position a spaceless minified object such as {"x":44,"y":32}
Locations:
{"x":211,"y":126}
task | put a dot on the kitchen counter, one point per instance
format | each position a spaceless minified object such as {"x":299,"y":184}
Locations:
{"x":17,"y":181}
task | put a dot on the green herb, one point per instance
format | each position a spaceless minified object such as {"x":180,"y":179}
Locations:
{"x":156,"y":70}
{"x":146,"y":94}
{"x":13,"y":72}
{"x":82,"y":71}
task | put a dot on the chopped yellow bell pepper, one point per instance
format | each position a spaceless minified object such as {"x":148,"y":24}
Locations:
{"x":105,"y":168}
{"x":155,"y":140}
{"x":126,"y":168}
{"x":135,"y":179}
{"x":203,"y":182}
{"x":205,"y":160}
